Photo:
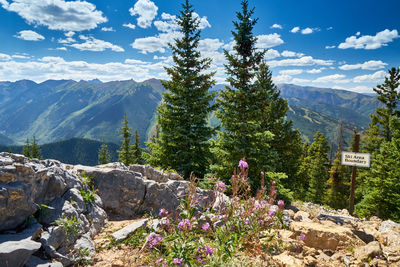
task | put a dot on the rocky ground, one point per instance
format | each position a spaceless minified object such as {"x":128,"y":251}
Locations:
{"x":39,"y":198}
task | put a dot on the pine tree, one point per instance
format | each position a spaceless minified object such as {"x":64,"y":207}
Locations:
{"x":338,"y":187}
{"x":137,"y":157}
{"x":183,"y":141}
{"x":382,"y":197}
{"x":104,"y":154}
{"x":242,"y":107}
{"x":27,"y":150}
{"x":35,"y":150}
{"x":389,"y":96}
{"x":125,"y":153}
{"x":318,"y":168}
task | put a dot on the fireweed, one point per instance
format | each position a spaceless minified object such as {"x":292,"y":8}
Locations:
{"x":215,"y":237}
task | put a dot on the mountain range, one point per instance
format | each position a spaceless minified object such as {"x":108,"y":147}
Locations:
{"x":56,"y":110}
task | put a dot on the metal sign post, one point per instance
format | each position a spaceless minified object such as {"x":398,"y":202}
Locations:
{"x":355,"y":159}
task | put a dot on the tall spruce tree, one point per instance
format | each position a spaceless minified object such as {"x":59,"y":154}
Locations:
{"x":27,"y":149}
{"x":244,"y":104}
{"x":35,"y":150}
{"x":125,"y":153}
{"x":137,"y":157}
{"x":183,"y":140}
{"x":317,"y":163}
{"x":104,"y":154}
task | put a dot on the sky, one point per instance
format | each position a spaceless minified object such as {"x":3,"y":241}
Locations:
{"x":336,"y":44}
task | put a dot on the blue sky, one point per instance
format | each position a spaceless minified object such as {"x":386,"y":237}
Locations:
{"x":331,"y":43}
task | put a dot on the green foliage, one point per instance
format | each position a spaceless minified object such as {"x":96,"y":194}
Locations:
{"x":137,"y":157}
{"x":104,"y":154}
{"x":69,"y":225}
{"x":316,"y":168}
{"x":382,"y":196}
{"x":88,"y":195}
{"x":27,"y":150}
{"x":184,"y":133}
{"x":125,"y":152}
{"x":87,"y":180}
{"x":279,"y":178}
{"x":244,"y":105}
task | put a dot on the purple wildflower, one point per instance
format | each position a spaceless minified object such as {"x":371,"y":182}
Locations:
{"x":178,"y":261}
{"x":209,"y":250}
{"x":199,"y":259}
{"x":220,"y":186}
{"x":185,"y":225}
{"x":271,"y":213}
{"x":153,"y":239}
{"x":243,"y":164}
{"x":302,"y":237}
{"x":247,"y":221}
{"x":205,"y":226}
{"x":160,"y":260}
{"x":281,"y":203}
{"x":257,"y":205}
{"x":163,"y":212}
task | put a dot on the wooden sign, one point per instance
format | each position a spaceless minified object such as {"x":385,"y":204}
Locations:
{"x":356,"y":159}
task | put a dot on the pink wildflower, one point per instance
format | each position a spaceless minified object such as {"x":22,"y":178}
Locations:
{"x":281,"y":203}
{"x":163,"y":212}
{"x":153,"y":239}
{"x":243,"y":164}
{"x":302,"y":237}
{"x":271,"y":213}
{"x":205,"y":226}
{"x":247,"y":221}
{"x":178,"y":261}
{"x":185,"y":225}
{"x":220,"y":186}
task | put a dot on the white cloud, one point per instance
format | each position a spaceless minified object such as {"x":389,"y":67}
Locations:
{"x":361,"y":89}
{"x":368,"y":65}
{"x":129,"y":25}
{"x":276,"y":26}
{"x":282,"y":79}
{"x":57,"y":68}
{"x":287,"y":53}
{"x":291,"y":72}
{"x":299,"y":80}
{"x":295,"y":29}
{"x":334,"y":78}
{"x":93,"y":44}
{"x":146,"y":10}
{"x":29,"y":36}
{"x":156,"y":43}
{"x":271,"y":54}
{"x":168,"y":25}
{"x":307,"y":31}
{"x":4,"y":57}
{"x":268,"y":40}
{"x":20,"y":56}
{"x":315,"y":71}
{"x":136,"y":62}
{"x":203,"y":21}
{"x":57,"y":14}
{"x":329,"y":28}
{"x":303,"y":61}
{"x":107,"y":29}
{"x":69,"y":34}
{"x":358,"y":33}
{"x":370,"y":42}
{"x":62,"y":48}
{"x":377,"y":76}
{"x":330,"y":46}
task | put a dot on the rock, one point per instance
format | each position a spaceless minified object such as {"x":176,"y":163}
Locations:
{"x":38,"y":262}
{"x":368,"y":251}
{"x":325,"y":237}
{"x":302,"y":216}
{"x":392,"y":254}
{"x":98,"y":217}
{"x":85,"y":245}
{"x":310,"y":261}
{"x":291,"y":213}
{"x":287,"y":260}
{"x":389,"y":233}
{"x":127,"y":230}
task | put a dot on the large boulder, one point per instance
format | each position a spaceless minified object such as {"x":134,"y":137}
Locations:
{"x":326,"y":236}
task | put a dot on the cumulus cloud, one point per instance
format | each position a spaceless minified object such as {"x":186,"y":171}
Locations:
{"x":295,"y":29}
{"x":315,"y":71}
{"x":287,"y":53}
{"x":129,"y":25}
{"x":57,"y":14}
{"x":156,"y":43}
{"x":107,"y":29}
{"x":291,"y":72}
{"x":62,"y":48}
{"x":370,"y":42}
{"x":303,"y":61}
{"x":368,"y":65}
{"x":58,"y":68}
{"x":146,"y":11}
{"x":4,"y":57}
{"x":299,"y":80}
{"x":330,"y":46}
{"x":203,"y":21}
{"x":374,"y":77}
{"x":282,"y":78}
{"x":307,"y":31}
{"x":334,"y":78}
{"x":168,"y":23}
{"x":268,"y":40}
{"x":271,"y":54}
{"x":93,"y":44}
{"x":29,"y":35}
{"x":276,"y":26}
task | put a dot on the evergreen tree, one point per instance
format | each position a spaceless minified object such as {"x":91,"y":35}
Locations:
{"x":389,"y":96}
{"x":125,"y":153}
{"x":338,"y":187}
{"x":137,"y":157}
{"x":104,"y":154}
{"x":27,"y":150}
{"x":35,"y":150}
{"x":183,"y":140}
{"x":317,"y":161}
{"x":382,"y":197}
{"x":242,"y":110}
